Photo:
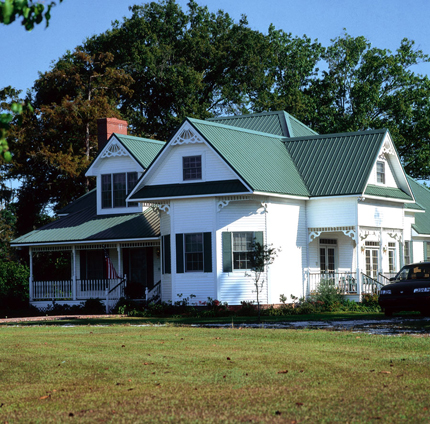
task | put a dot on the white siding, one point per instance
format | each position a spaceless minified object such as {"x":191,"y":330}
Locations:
{"x":169,"y":171}
{"x":418,"y":251}
{"x":379,"y":214}
{"x":407,"y":229}
{"x":236,"y":286}
{"x":166,"y":279}
{"x":193,"y":216}
{"x":390,"y":180}
{"x":286,"y":228}
{"x":156,"y":265}
{"x":332,"y":212}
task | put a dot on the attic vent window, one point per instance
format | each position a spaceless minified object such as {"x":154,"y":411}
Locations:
{"x":192,"y":168}
{"x":380,"y":172}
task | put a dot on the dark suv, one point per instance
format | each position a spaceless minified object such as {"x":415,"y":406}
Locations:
{"x":410,"y":290}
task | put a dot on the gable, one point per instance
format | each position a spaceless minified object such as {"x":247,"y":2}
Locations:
{"x":387,"y":177}
{"x":336,"y":164}
{"x":187,"y":142}
{"x":422,"y":197}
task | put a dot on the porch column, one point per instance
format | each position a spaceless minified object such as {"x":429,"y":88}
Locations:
{"x":118,"y":248}
{"x":358,"y":248}
{"x":74,"y":272}
{"x":30,"y":282}
{"x":381,"y":252}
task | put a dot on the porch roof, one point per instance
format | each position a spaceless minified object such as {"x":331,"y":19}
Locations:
{"x":190,"y":189}
{"x":85,"y":225}
{"x":389,"y":192}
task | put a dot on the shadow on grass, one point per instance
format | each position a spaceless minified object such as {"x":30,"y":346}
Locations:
{"x":233,"y":320}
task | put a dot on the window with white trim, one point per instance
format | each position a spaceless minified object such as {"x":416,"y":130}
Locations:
{"x":193,"y":252}
{"x":116,"y":187}
{"x":242,"y":244}
{"x":392,"y":257}
{"x":380,"y":172}
{"x":192,"y":167}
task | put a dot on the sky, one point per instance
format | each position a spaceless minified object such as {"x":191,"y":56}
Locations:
{"x":383,"y":22}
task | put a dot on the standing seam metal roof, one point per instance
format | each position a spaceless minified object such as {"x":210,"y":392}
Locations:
{"x":260,"y":159}
{"x":336,"y":164}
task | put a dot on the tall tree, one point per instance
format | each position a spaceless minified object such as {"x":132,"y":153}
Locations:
{"x":192,"y":63}
{"x":56,"y":143}
{"x":365,"y":87}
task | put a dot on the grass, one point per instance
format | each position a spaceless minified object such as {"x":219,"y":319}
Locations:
{"x":124,"y":374}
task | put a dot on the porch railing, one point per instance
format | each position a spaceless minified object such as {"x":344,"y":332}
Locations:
{"x":58,"y":290}
{"x":345,"y":281}
{"x":154,"y":294}
{"x":86,"y":289}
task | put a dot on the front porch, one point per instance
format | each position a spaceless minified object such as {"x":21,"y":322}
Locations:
{"x":75,"y":273}
{"x":356,"y":260}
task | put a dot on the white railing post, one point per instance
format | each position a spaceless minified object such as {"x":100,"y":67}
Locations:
{"x":74,"y":273}
{"x":107,"y":300}
{"x":30,"y":280}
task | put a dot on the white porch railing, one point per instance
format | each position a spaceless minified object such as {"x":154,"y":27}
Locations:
{"x":345,"y":281}
{"x":61,"y":289}
{"x":86,"y":289}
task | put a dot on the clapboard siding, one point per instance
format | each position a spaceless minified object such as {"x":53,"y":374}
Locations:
{"x":237,"y":286}
{"x":193,"y":216}
{"x":332,"y":212}
{"x":170,"y":170}
{"x":389,"y":175}
{"x":117,"y":164}
{"x":378,"y":214}
{"x":286,"y":229}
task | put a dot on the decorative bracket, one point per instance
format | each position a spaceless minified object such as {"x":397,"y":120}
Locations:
{"x":396,"y":235}
{"x":349,"y":233}
{"x":314,"y":235}
{"x":222,"y":204}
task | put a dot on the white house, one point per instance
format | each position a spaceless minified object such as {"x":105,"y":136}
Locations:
{"x":184,"y":213}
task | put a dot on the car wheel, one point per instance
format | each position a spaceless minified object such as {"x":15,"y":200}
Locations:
{"x":388,"y":312}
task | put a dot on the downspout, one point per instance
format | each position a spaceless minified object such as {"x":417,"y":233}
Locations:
{"x":358,"y":247}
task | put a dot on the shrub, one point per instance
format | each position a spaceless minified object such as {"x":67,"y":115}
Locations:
{"x":93,"y":307}
{"x":13,"y":285}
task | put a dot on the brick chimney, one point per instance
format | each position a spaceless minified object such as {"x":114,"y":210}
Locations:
{"x":106,"y":127}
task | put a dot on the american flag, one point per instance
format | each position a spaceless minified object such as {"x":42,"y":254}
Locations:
{"x":110,"y":269}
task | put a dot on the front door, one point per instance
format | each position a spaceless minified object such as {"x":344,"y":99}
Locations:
{"x":327,"y":264}
{"x":372,"y":256}
{"x":138,"y":266}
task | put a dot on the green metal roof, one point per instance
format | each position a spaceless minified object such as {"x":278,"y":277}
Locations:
{"x":422,"y":197}
{"x":336,"y":164}
{"x":83,"y":202}
{"x":388,"y":192}
{"x":86,"y":226}
{"x":261,"y":160}
{"x":190,"y":189}
{"x":277,"y":123}
{"x":143,"y":150}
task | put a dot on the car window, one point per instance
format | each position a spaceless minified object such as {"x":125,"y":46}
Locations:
{"x":414,"y":272}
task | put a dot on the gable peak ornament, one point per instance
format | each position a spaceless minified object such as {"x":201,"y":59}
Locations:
{"x":114,"y":149}
{"x":186,"y":135}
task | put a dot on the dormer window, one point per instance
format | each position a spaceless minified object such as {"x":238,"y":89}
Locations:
{"x":116,"y":187}
{"x":192,"y":168}
{"x":380,"y":172}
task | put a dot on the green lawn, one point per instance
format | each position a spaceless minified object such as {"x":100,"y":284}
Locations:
{"x":181,"y":374}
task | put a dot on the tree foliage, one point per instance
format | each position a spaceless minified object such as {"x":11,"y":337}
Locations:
{"x":193,"y":63}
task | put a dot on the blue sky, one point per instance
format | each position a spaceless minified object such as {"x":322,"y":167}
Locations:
{"x":383,"y":22}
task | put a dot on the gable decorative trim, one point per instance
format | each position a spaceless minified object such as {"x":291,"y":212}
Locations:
{"x":224,"y":201}
{"x":158,"y":206}
{"x":114,"y":149}
{"x":186,"y":135}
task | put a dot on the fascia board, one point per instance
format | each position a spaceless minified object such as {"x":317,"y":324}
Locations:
{"x":67,"y":243}
{"x":387,"y":199}
{"x":194,"y":196}
{"x":284,"y":196}
{"x":342,"y":196}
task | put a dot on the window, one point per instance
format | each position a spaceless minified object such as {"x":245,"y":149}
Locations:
{"x":242,"y":243}
{"x":427,"y":251}
{"x":327,"y":255}
{"x":192,"y":168}
{"x":236,"y":248}
{"x":391,"y":257}
{"x":407,"y":252}
{"x":194,"y":252}
{"x":380,"y":172}
{"x":116,"y":187}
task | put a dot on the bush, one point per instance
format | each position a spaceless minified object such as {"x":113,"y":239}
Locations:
{"x":93,"y":307}
{"x":13,"y":285}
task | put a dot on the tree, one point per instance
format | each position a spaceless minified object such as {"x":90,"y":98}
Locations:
{"x":192,"y":63}
{"x":56,"y":143}
{"x":260,"y":257}
{"x":32,"y":13}
{"x":369,"y":88}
